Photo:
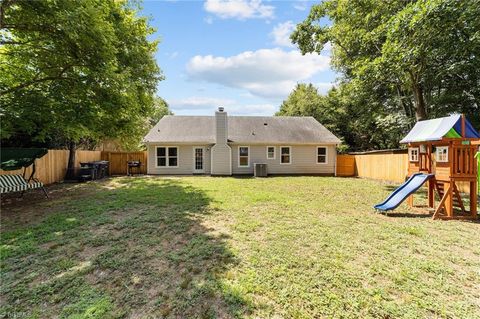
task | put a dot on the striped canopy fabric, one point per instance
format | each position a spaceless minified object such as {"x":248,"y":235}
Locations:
{"x":436,"y":129}
{"x":16,"y":183}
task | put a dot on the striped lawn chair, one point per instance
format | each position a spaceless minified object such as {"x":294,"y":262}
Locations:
{"x":16,"y":183}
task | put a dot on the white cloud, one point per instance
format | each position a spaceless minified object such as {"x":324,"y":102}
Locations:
{"x":252,"y":109}
{"x":198,"y":102}
{"x":323,"y":87}
{"x":281,"y":34}
{"x":172,"y":55}
{"x":271,"y":73}
{"x":301,"y":5}
{"x":327,"y":48}
{"x":239,"y":9}
{"x":208,"y":20}
{"x":208,"y":105}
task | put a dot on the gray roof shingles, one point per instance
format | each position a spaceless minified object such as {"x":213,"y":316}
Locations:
{"x":241,"y":129}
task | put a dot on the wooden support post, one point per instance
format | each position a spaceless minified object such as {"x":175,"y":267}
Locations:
{"x":441,"y":205}
{"x":410,"y":200}
{"x":431,"y":193}
{"x":463,"y":125}
{"x":449,"y":200}
{"x":473,"y":199}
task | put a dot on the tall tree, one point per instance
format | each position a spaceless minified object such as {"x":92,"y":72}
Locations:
{"x":75,"y":70}
{"x":160,"y":109}
{"x":342,"y":113}
{"x":423,"y":51}
{"x":304,"y":100}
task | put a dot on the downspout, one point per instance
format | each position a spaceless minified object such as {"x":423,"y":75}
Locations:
{"x":335,"y":161}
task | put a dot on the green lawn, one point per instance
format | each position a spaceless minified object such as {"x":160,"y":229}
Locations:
{"x":201,"y":247}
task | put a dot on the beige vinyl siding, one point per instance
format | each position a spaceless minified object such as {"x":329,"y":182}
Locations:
{"x":221,"y":156}
{"x":221,"y":127}
{"x":303,"y":160}
{"x":185,"y":160}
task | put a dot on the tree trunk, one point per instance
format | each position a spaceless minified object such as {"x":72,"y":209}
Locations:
{"x":417,"y":89}
{"x":420,"y":112}
{"x":72,"y":146}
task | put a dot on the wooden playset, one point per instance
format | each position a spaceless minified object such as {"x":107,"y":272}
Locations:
{"x":446,"y":148}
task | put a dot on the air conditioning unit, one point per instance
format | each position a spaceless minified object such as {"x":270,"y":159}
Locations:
{"x":260,"y":170}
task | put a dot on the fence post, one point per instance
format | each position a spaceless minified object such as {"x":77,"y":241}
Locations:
{"x":109,"y":163}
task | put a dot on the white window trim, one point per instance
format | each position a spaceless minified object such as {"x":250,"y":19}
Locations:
{"x":326,"y":155}
{"x":289,"y":155}
{"x":167,"y":157}
{"x":274,"y":153}
{"x":437,"y":157}
{"x":410,"y":149}
{"x":244,"y":166}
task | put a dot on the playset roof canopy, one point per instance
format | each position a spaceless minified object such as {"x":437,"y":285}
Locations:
{"x":436,"y":129}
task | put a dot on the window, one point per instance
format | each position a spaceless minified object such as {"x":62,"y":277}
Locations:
{"x":167,"y":156}
{"x":270,"y":152}
{"x":172,"y":156}
{"x":423,"y":149}
{"x":243,"y":156}
{"x":413,"y":154}
{"x":285,"y":155}
{"x":321,"y":155}
{"x":442,"y":154}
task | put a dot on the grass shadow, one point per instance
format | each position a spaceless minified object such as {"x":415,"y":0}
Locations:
{"x":408,"y":215}
{"x":135,"y":248}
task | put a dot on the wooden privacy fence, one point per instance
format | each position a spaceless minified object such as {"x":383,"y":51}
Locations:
{"x":52,"y":167}
{"x":389,"y":167}
{"x":380,"y":166}
{"x":118,"y":161}
{"x":346,"y":165}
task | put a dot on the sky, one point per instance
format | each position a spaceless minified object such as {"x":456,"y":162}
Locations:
{"x":232,"y":53}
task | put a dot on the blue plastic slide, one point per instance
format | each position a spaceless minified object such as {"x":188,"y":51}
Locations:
{"x":406,"y":189}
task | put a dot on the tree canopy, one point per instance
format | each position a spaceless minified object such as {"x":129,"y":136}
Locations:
{"x":341,"y":111}
{"x":160,"y":109}
{"x":75,"y":70}
{"x":414,"y":59}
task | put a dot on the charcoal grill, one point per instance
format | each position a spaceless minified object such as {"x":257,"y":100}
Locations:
{"x":133,"y":166}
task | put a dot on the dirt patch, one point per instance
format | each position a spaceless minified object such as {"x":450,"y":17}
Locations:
{"x":34,"y":206}
{"x":89,"y":253}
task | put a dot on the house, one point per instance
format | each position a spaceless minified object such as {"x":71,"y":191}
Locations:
{"x":231,"y":145}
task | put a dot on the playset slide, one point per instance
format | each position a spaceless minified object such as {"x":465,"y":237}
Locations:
{"x":401,"y":193}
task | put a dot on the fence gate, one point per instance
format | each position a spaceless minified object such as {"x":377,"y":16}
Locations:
{"x":118,"y":161}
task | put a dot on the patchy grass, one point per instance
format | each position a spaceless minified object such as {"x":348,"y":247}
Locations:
{"x":201,"y":247}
